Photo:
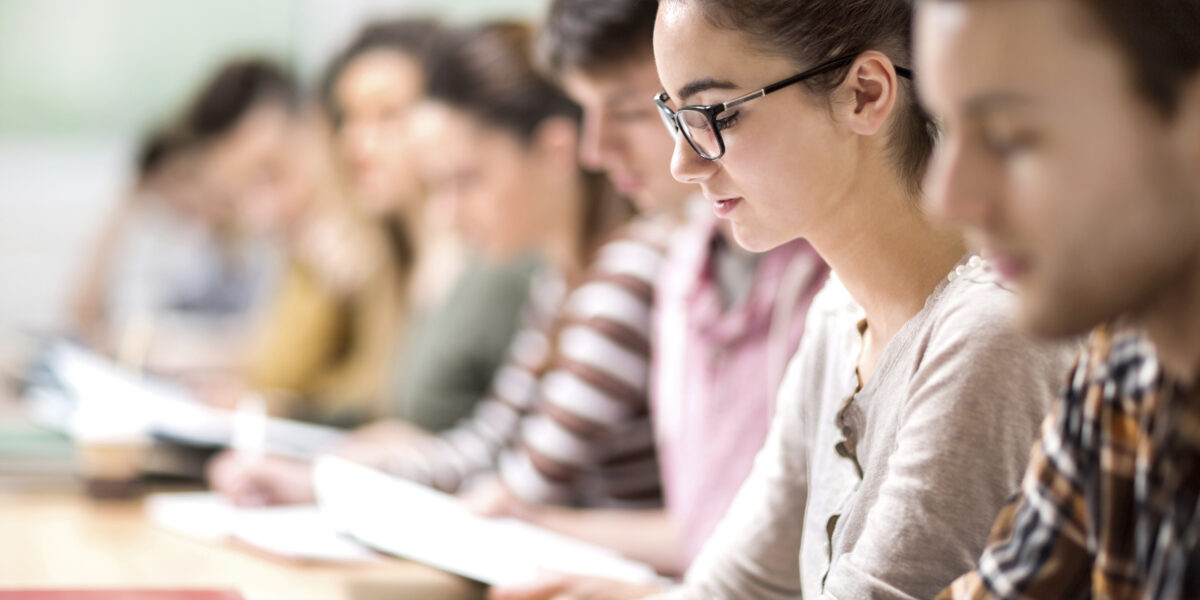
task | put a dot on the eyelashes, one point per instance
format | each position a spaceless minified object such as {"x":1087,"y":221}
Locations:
{"x":724,"y":123}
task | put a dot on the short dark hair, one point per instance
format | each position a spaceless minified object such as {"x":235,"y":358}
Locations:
{"x":811,"y":32}
{"x":237,"y":88}
{"x":409,"y":36}
{"x":595,"y":35}
{"x":1161,"y":40}
{"x":488,"y":72}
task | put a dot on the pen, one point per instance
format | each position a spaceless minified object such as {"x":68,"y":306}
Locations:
{"x":250,"y":428}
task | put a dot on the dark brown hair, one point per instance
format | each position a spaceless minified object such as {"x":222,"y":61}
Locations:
{"x":595,"y":35}
{"x":488,"y":72}
{"x":160,"y":146}
{"x":411,"y":37}
{"x":1161,"y":40}
{"x":237,"y":88}
{"x":809,"y":32}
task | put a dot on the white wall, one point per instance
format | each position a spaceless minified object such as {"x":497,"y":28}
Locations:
{"x":53,"y":195}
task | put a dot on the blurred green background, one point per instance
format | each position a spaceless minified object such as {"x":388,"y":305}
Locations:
{"x":95,"y":66}
{"x":81,"y":79}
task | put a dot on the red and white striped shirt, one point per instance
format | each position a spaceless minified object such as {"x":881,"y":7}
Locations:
{"x":567,"y":420}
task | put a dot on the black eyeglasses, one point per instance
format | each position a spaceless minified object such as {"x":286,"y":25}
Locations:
{"x":701,"y":125}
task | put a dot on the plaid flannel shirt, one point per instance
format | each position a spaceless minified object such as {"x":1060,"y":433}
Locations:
{"x":1108,"y":506}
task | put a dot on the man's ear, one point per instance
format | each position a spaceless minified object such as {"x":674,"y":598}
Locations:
{"x":870,"y":91}
{"x":557,"y":138}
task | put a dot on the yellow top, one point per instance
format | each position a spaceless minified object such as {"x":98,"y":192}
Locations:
{"x":325,"y":353}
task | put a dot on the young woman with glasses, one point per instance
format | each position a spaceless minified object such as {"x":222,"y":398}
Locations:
{"x":907,"y":415}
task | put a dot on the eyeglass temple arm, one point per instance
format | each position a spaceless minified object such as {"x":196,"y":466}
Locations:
{"x":829,"y":66}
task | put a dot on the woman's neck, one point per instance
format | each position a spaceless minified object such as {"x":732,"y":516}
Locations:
{"x":888,"y":255}
{"x":412,"y":217}
{"x":562,"y":242}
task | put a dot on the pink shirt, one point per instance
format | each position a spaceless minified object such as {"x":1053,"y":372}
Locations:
{"x":716,"y":369}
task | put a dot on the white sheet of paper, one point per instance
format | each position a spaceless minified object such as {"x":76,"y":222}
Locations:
{"x":162,"y":408}
{"x":291,"y":532}
{"x":201,"y":515}
{"x":415,"y":522}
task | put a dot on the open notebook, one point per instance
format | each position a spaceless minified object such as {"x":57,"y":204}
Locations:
{"x":76,"y":379}
{"x":414,"y":522}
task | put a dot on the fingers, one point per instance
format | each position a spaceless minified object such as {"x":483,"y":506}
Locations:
{"x":235,"y":480}
{"x":221,"y":471}
{"x":484,"y":504}
{"x":492,"y":498}
{"x":249,"y":483}
{"x":549,"y":589}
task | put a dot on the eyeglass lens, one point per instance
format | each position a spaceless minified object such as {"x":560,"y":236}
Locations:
{"x":699,"y":132}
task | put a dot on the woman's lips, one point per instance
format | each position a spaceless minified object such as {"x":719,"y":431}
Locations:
{"x":724,"y":206}
{"x":1010,"y":267}
{"x":627,"y":184}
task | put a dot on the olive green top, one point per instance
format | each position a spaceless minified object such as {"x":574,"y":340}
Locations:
{"x":451,"y":351}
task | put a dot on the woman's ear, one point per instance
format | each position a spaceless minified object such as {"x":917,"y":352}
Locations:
{"x":557,"y":138}
{"x":872,"y":87}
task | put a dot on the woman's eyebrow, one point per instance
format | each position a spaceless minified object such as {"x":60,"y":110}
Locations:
{"x":701,"y":85}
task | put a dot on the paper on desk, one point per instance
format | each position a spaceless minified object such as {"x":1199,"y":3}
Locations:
{"x":292,"y":532}
{"x":415,"y":522}
{"x":159,"y":407}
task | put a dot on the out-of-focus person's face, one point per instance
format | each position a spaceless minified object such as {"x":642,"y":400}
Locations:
{"x":488,"y":178}
{"x":181,"y":183}
{"x":787,"y":164}
{"x":375,"y":94}
{"x":623,"y":135}
{"x":1071,"y":182}
{"x":263,"y":166}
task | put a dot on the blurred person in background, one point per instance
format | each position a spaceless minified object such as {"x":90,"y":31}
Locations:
{"x":460,"y":312}
{"x":321,"y":349}
{"x":567,"y":418}
{"x":726,"y":320}
{"x":173,"y":280}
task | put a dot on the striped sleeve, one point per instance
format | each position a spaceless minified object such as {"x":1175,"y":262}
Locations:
{"x":589,"y":435}
{"x":471,"y":447}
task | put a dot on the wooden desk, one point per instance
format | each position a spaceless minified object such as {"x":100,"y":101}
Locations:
{"x":65,"y":540}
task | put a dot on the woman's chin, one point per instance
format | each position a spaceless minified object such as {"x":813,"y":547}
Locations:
{"x":755,"y":239}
